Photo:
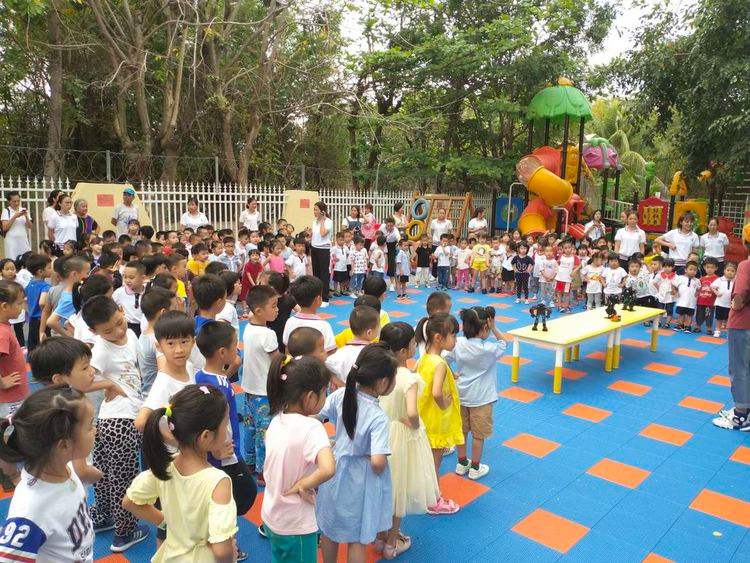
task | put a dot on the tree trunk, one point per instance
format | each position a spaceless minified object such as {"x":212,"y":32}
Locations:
{"x":53,"y":158}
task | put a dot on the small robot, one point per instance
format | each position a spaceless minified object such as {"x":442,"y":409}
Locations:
{"x":610,"y":310}
{"x":540,"y":312}
{"x":628,"y":299}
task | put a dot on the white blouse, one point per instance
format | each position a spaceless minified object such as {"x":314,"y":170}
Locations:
{"x":250,"y":219}
{"x":684,"y":242}
{"x":64,"y":227}
{"x":193,"y":221}
{"x":596,"y":232}
{"x":438,"y":228}
{"x":630,"y":241}
{"x":714,"y":245}
{"x":477,"y":224}
{"x":399,"y":221}
{"x":319,"y":241}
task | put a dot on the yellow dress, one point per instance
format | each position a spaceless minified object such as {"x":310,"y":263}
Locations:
{"x":193,"y":519}
{"x":413,"y":479}
{"x":443,"y":426}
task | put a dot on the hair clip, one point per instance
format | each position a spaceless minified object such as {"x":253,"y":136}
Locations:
{"x":355,"y":366}
{"x":204,"y":389}
{"x":286,"y":360}
{"x":424,"y":329}
{"x":283,"y":377}
{"x":8,"y":432}
{"x":298,"y":358}
{"x":168,"y":411}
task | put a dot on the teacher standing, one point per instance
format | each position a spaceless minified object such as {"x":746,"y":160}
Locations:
{"x":680,"y":242}
{"x":193,"y":217}
{"x":63,"y":226}
{"x":594,"y":229}
{"x":714,"y":244}
{"x":320,"y":251}
{"x":16,"y":222}
{"x":629,"y":240}
{"x":478,"y":223}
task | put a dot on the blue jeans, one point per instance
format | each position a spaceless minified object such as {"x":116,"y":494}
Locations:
{"x":739,"y":366}
{"x":356,"y":282}
{"x":375,"y":274}
{"x":257,"y":419}
{"x":443,"y":276}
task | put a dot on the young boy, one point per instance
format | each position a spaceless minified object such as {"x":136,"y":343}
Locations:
{"x":638,"y":280}
{"x":73,"y":270}
{"x":129,"y":295}
{"x":177,"y":266}
{"x":378,"y":257}
{"x":365,"y":324}
{"x":567,"y":264}
{"x":614,"y":277}
{"x":218,"y":344}
{"x":547,"y":273}
{"x":37,"y":290}
{"x":340,"y":261}
{"x":308,"y":293}
{"x":403,"y":268}
{"x":422,"y":260}
{"x":231,"y":259}
{"x":210,"y":294}
{"x":592,"y":275}
{"x":306,"y":341}
{"x":704,"y":312}
{"x":663,"y":287}
{"x":358,"y":262}
{"x":156,"y":302}
{"x":117,"y":443}
{"x":723,"y":288}
{"x":442,"y":256}
{"x":298,"y":264}
{"x":687,"y":296}
{"x":199,"y":259}
{"x":261,"y":348}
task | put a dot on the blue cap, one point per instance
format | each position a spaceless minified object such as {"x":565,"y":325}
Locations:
{"x":129,"y":191}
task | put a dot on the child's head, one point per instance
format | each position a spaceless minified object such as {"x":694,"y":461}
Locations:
{"x":691,"y":269}
{"x":94,"y":285}
{"x":522,"y":248}
{"x":476,"y":321}
{"x":710,"y":265}
{"x":12,"y":299}
{"x":279,"y":281}
{"x":375,"y":286}
{"x":365,"y":323}
{"x":655,"y":247}
{"x":307,"y":291}
{"x":668,"y":265}
{"x":197,"y":417}
{"x":730,"y":270}
{"x":53,"y":425}
{"x":232,"y":283}
{"x":425,"y":240}
{"x":164,"y":280}
{"x":210,"y":294}
{"x":217,"y":341}
{"x":634,"y":267}
{"x":215,"y":267}
{"x":368,"y":301}
{"x":306,"y":341}
{"x":39,"y":265}
{"x":463,"y":243}
{"x":438,"y":302}
{"x":444,"y":238}
{"x":374,"y":373}
{"x":380,"y":241}
{"x":693,"y":257}
{"x":199,"y":252}
{"x":263,"y":302}
{"x":216,"y":248}
{"x":155,"y":302}
{"x":583,"y":251}
{"x":177,"y":265}
{"x":359,"y":243}
{"x":7,"y":269}
{"x":596,"y":258}
{"x":613,"y":261}
{"x":62,"y":360}
{"x":340,"y":238}
{"x":105,"y":318}
{"x":298,"y":383}
{"x":567,"y":248}
{"x":440,"y":331}
{"x":549,"y":252}
{"x":73,"y":269}
{"x":255,"y":256}
{"x":404,"y":244}
{"x":133,"y":275}
{"x":175,"y":335}
{"x":400,"y":339}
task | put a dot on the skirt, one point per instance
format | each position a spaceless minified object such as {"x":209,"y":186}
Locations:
{"x":413,"y":479}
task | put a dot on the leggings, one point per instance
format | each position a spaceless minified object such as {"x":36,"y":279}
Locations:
{"x":522,"y":284}
{"x":462,"y":278}
{"x":18,"y":329}
{"x":116,"y":448}
{"x":321,"y":267}
{"x":391,"y":258}
{"x":704,"y":313}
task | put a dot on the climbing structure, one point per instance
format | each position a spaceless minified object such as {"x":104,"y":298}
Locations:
{"x":425,"y":208}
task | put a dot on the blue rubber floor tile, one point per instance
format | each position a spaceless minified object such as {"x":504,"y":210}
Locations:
{"x":574,"y":506}
{"x":514,"y":547}
{"x":639,"y":457}
{"x":595,"y":488}
{"x":597,"y":547}
{"x":690,"y":456}
{"x":671,"y":488}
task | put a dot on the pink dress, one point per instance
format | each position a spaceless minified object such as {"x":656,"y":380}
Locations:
{"x":276,"y":263}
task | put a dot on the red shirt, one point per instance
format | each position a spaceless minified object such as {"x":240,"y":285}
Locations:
{"x":254,"y":269}
{"x":705,"y":295}
{"x":740,"y":318}
{"x":12,"y":360}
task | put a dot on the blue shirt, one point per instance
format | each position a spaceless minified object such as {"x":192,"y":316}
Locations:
{"x":476,"y":360}
{"x":34,"y":291}
{"x":199,"y":322}
{"x":221,"y":383}
{"x":65,"y":308}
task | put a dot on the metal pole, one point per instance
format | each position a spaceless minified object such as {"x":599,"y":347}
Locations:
{"x":580,"y":155}
{"x":617,"y":184}
{"x":109,"y":166}
{"x":564,"y":157}
{"x":302,"y":176}
{"x":546,"y":132}
{"x":605,"y":176}
{"x":530,"y":145}
{"x":671,"y":212}
{"x":711,"y":192}
{"x":216,"y":171}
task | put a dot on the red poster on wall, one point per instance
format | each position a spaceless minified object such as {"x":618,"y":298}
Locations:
{"x":653,"y":214}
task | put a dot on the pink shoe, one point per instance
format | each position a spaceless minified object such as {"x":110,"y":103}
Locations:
{"x":443,"y":506}
{"x":403,"y":543}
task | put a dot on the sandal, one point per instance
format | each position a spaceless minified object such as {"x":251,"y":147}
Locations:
{"x":403,"y":543}
{"x":443,"y":506}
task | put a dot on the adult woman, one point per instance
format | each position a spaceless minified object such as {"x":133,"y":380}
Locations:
{"x":714,"y":243}
{"x":53,"y":205}
{"x":86,"y":223}
{"x":62,"y":227}
{"x":320,"y":251}
{"x":193,"y":217}
{"x":629,"y":240}
{"x":16,"y":222}
{"x":680,"y":242}
{"x":439,"y":226}
{"x":353,"y":221}
{"x":399,"y":217}
{"x":594,"y":229}
{"x":478,"y":223}
{"x":250,"y":216}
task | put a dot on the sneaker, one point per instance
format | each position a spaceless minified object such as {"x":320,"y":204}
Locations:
{"x":678,"y":328}
{"x":449,"y":451}
{"x":470,"y":290}
{"x":241,"y":555}
{"x":726,"y":413}
{"x":324,"y":304}
{"x":526,"y":301}
{"x":518,"y":299}
{"x":717,"y":334}
{"x":697,"y":329}
{"x":484,"y":292}
{"x":688,"y":330}
{"x":475,"y":474}
{"x":741,"y":423}
{"x":121,"y":543}
{"x":106,"y":526}
{"x":462,"y":469}
{"x":353,"y":295}
{"x":262,"y":531}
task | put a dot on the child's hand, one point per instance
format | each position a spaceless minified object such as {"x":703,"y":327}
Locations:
{"x":112,"y":390}
{"x":447,"y":401}
{"x":224,"y":451}
{"x":406,"y":421}
{"x":308,"y":495}
{"x":10,"y":380}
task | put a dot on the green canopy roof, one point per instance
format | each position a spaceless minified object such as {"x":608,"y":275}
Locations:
{"x":555,"y":102}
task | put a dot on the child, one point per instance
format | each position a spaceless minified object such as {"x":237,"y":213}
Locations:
{"x":37,"y":291}
{"x":403,"y":268}
{"x":497,"y":257}
{"x":614,"y":277}
{"x":638,"y":280}
{"x":117,"y":444}
{"x":704,"y":312}
{"x":567,"y":264}
{"x":308,"y":293}
{"x":8,"y":273}
{"x":306,"y":341}
{"x":82,"y":292}
{"x":156,"y":301}
{"x":437,"y":302}
{"x":480,"y":256}
{"x":251,"y":272}
{"x":476,"y":360}
{"x":298,"y":263}
{"x":664,"y":289}
{"x":463,"y":265}
{"x":286,"y":304}
{"x":129,"y":295}
{"x":443,"y":258}
{"x":48,"y":518}
{"x":232,"y":287}
{"x":340,"y":260}
{"x":378,"y":258}
{"x":415,"y":486}
{"x":210,"y":294}
{"x":592,"y":274}
{"x":275,"y":261}
{"x":261,"y":347}
{"x":365,"y":325}
{"x":422,"y":260}
{"x":576,"y":285}
{"x":722,"y":288}
{"x":522,"y":264}
{"x":355,"y":505}
{"x":358,"y":262}
{"x":508,"y":276}
{"x":231,"y":259}
{"x":72,"y":270}
{"x":299,"y":458}
{"x":196,"y":420}
{"x":687,"y":296}
{"x":438,"y":403}
{"x":547,"y":272}
{"x":199,"y":259}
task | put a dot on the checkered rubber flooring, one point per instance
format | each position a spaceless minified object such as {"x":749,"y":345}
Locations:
{"x":622,"y":466}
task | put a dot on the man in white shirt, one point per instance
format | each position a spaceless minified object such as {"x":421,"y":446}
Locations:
{"x":125,"y":211}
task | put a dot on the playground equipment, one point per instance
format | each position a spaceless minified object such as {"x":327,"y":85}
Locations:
{"x":424,"y":208}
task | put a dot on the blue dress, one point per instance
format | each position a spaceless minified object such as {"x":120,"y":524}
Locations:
{"x":356,"y":503}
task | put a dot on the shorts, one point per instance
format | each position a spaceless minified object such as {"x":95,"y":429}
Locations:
{"x":479,"y":266}
{"x":477,"y":420}
{"x":562,"y":287}
{"x":496,"y":270}
{"x":340,"y":277}
{"x":721,"y":313}
{"x":508,"y":275}
{"x":403,"y":279}
{"x":685,"y":311}
{"x":302,"y":548}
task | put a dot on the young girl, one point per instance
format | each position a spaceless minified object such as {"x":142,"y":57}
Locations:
{"x":356,"y":504}
{"x":522,"y":266}
{"x":197,"y":508}
{"x":415,"y":485}
{"x":8,"y":272}
{"x":592,"y":274}
{"x":48,"y":519}
{"x":298,"y":457}
{"x":438,"y":403}
{"x":275,"y":261}
{"x":14,"y":381}
{"x":722,"y":288}
{"x":463,"y":263}
{"x":665,"y":291}
{"x":497,"y":256}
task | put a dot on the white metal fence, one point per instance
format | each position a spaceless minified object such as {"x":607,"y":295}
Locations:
{"x":222,"y":204}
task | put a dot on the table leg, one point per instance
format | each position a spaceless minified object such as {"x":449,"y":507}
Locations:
{"x":557,"y":385}
{"x":567,"y":354}
{"x":576,"y":352}
{"x":609,"y":354}
{"x":516,"y":361}
{"x":654,"y":334}
{"x":616,"y":350}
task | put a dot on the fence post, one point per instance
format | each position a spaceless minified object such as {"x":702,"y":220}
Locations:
{"x":216,"y":172}
{"x":302,"y":177}
{"x":109,"y":166}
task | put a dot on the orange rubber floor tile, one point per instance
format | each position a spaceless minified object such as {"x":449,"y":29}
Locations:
{"x":500,"y":305}
{"x":253,"y":515}
{"x":503,"y":319}
{"x":237,"y":388}
{"x":551,"y":530}
{"x":721,"y":506}
{"x":711,"y":340}
{"x":598,"y":355}
{"x":113,"y":558}
{"x":666,"y":434}
{"x":662,"y":331}
{"x":665,"y":369}
{"x":703,"y":405}
{"x":587,"y":412}
{"x":635,"y":343}
{"x":741,"y":455}
{"x":460,"y":489}
{"x":397,"y":314}
{"x":721,"y":380}
{"x":690,"y":353}
{"x":656,"y":558}
{"x":629,"y":387}
{"x":519,"y":394}
{"x":344,"y":323}
{"x":508,"y":361}
{"x":622,"y":474}
{"x":405,"y":301}
{"x":467,"y":300}
{"x":572,"y":374}
{"x":532,"y":445}
{"x":340,"y":302}
{"x":326,"y":316}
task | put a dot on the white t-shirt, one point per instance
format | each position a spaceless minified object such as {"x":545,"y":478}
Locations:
{"x":130,"y":303}
{"x":318,"y":241}
{"x":392,"y":236}
{"x":193,"y":221}
{"x":596,"y":232}
{"x":476,"y":224}
{"x":443,"y":255}
{"x":259,"y":343}
{"x":250,"y":219}
{"x":688,"y":291}
{"x":340,"y":254}
{"x":18,"y":228}
{"x":81,"y":330}
{"x":714,"y":246}
{"x":612,"y":280}
{"x":438,"y":228}
{"x":630,"y":241}
{"x":297,"y":264}
{"x":358,"y":260}
{"x":342,"y":360}
{"x":48,"y":522}
{"x":377,"y":259}
{"x":685,"y":244}
{"x":229,"y":315}
{"x":302,"y":319}
{"x":119,"y":364}
{"x":724,"y":288}
{"x":164,"y":388}
{"x":463,"y":258}
{"x":47,"y":214}
{"x":590,"y":274}
{"x":123,"y":214}
{"x":565,"y":267}
{"x":64,"y":227}
{"x":547,"y":268}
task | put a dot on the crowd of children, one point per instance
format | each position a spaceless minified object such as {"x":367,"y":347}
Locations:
{"x":142,"y":336}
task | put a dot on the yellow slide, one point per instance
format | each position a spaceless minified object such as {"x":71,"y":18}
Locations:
{"x":551,"y":190}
